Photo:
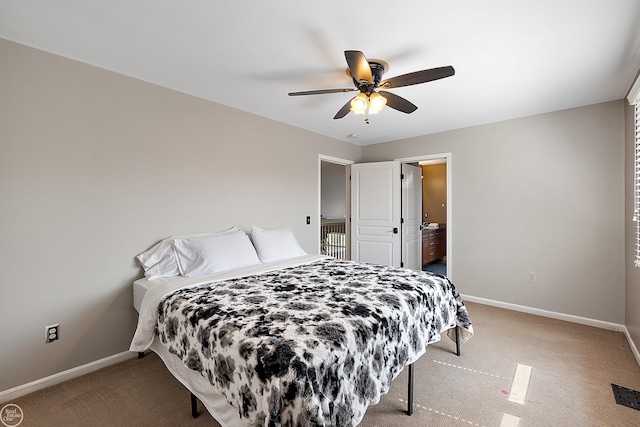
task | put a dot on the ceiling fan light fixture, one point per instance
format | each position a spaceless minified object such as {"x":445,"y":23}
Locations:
{"x":376,"y":103}
{"x":359,"y":104}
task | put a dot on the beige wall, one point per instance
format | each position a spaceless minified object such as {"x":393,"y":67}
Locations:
{"x":333,"y":198}
{"x":95,"y":167}
{"x":540,"y":194}
{"x":434,"y":193}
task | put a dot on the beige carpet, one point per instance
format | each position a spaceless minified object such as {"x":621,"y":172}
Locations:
{"x":573,"y":367}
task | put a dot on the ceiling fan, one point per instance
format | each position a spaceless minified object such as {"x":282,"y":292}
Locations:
{"x":367,"y":78}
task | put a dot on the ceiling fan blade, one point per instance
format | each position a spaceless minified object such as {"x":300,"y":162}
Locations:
{"x":358,"y":66}
{"x":418,"y":77}
{"x":398,"y":103}
{"x":343,"y":111}
{"x":319,"y":92}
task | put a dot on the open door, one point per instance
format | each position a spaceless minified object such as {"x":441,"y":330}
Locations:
{"x":376,"y":213}
{"x":411,"y":217}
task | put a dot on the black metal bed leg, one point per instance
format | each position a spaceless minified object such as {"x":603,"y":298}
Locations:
{"x":457,"y":340}
{"x":194,"y":406}
{"x":410,"y":392}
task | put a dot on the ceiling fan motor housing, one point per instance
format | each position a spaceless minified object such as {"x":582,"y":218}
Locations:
{"x":378,"y":69}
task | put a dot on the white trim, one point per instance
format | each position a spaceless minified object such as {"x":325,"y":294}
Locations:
{"x":446,"y":156}
{"x":636,"y":182}
{"x":560,"y":316}
{"x":60,"y":377}
{"x":634,"y":93}
{"x":632,"y":344}
{"x":545,"y":313}
{"x":324,"y":158}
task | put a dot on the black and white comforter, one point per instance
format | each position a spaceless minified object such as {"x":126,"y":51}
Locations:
{"x":310,"y":345}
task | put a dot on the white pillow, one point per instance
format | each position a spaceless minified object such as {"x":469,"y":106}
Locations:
{"x":275,"y":244}
{"x":160,"y":260}
{"x":212,"y":254}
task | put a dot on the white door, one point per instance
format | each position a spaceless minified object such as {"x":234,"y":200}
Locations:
{"x":411,"y":217}
{"x":375,"y":214}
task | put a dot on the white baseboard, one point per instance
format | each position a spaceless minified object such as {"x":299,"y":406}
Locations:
{"x":560,"y":316}
{"x":60,"y":377}
{"x":632,"y":344}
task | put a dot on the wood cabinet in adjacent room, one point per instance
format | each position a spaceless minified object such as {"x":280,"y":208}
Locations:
{"x":434,"y":245}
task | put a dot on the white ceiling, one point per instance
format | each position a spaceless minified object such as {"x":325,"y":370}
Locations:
{"x":512,"y":58}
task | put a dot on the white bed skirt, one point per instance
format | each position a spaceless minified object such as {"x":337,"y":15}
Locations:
{"x":216,"y":404}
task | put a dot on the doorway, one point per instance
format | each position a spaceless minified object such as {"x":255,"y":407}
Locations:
{"x":434,"y":215}
{"x":334,"y":193}
{"x":437,"y":212}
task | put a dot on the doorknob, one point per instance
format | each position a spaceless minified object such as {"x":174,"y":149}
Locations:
{"x":395,"y":230}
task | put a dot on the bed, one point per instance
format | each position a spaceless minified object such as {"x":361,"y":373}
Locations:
{"x":290,"y":339}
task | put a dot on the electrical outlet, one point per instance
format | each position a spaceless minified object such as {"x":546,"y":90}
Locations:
{"x":51,"y":333}
{"x":532,"y":277}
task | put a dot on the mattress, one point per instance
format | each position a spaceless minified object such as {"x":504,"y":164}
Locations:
{"x":140,"y":288}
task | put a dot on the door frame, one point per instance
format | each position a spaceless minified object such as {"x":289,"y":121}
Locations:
{"x":346,"y":163}
{"x":447,"y":157}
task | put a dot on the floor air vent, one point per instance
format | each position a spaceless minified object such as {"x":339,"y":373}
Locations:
{"x":626,"y":396}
